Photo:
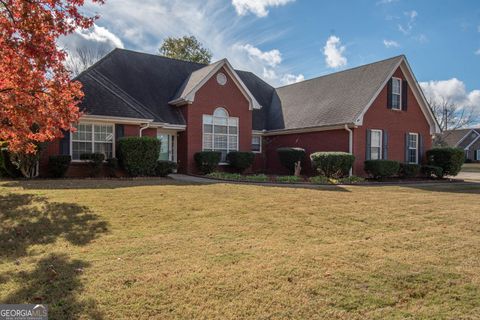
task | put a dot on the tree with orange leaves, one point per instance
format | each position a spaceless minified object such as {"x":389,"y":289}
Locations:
{"x":37,"y":98}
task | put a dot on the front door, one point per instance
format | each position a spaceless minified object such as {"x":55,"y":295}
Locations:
{"x":167,"y":146}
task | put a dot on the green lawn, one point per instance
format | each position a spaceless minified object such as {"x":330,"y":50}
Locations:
{"x":155,"y":249}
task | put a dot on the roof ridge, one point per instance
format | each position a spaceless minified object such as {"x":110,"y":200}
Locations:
{"x":113,"y":88}
{"x":341,"y":71}
{"x":161,"y":57}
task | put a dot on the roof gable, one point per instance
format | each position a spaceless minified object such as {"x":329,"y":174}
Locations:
{"x":186,"y":93}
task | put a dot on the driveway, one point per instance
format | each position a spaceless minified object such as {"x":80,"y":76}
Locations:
{"x":469,"y":176}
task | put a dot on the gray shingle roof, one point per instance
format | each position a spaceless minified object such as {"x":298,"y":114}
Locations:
{"x":452,"y":137}
{"x":132,"y":84}
{"x":337,"y":98}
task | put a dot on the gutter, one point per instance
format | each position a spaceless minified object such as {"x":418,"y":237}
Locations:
{"x":146,"y":126}
{"x":350,"y":145}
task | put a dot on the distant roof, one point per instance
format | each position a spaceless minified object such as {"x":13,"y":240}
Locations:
{"x":453,"y":137}
{"x":337,"y":98}
{"x":132,"y":84}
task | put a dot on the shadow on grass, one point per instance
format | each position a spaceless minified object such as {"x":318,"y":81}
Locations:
{"x":54,"y":281}
{"x":128,"y":183}
{"x":29,"y":220}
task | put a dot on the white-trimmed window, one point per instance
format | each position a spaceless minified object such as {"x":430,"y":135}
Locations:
{"x":396,"y":93}
{"x":413,"y":148}
{"x":92,"y":138}
{"x":376,"y":144}
{"x":257,"y":143}
{"x":220,"y":133}
{"x":478,"y":155}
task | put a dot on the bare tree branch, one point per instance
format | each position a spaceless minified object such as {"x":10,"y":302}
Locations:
{"x":84,"y":57}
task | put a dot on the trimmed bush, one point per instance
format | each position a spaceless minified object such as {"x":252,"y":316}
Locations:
{"x":207,"y":161}
{"x":164,"y":168}
{"x":289,"y":156}
{"x":449,"y":159}
{"x":288,"y":179}
{"x":240,"y":161}
{"x":432,"y":171}
{"x":139,"y":155}
{"x":408,"y":170}
{"x":380,"y":169}
{"x":332,"y":164}
{"x":95,"y":160}
{"x":112,"y":166}
{"x":256,"y":178}
{"x":58,"y":165}
{"x":225,"y":176}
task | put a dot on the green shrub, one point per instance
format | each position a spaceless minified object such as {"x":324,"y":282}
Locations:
{"x":332,"y":164}
{"x":164,"y":168}
{"x":7,"y":168}
{"x":409,"y":170}
{"x":432,"y":171}
{"x":139,"y":155}
{"x":350,"y":180}
{"x":320,"y":180}
{"x":207,"y":161}
{"x":58,"y":165}
{"x":289,"y":156}
{"x":449,"y":159}
{"x":112,"y":165}
{"x":240,"y":161}
{"x":256,"y":178}
{"x":380,"y":169}
{"x":288,"y":179}
{"x":225,"y":176}
{"x":95,"y":160}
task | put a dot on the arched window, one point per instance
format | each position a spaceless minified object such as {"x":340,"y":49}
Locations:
{"x":220,"y":132}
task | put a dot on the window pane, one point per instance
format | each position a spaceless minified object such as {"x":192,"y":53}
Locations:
{"x":376,"y":139}
{"x":207,"y":119}
{"x":79,"y":148}
{"x":396,"y":101}
{"x":220,"y":129}
{"x":207,"y":128}
{"x":104,"y":148}
{"x":375,"y":153}
{"x":220,"y":142}
{"x":232,"y":143}
{"x":83,"y":133}
{"x":220,"y":112}
{"x":233,"y":122}
{"x":396,"y":85}
{"x":232,"y":130}
{"x":220,"y":121}
{"x":412,"y":155}
{"x":207,"y":142}
{"x":412,"y":141}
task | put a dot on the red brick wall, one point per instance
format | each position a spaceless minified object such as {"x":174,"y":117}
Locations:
{"x":396,"y":122}
{"x":333,"y":140}
{"x":207,"y":99}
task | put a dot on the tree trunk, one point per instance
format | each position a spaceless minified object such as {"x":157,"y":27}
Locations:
{"x":298,"y":168}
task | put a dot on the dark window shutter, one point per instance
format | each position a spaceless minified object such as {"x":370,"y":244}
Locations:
{"x":368,"y":144}
{"x":475,"y":155}
{"x":385,"y":145}
{"x":404,"y":95}
{"x":389,"y":94}
{"x":65,"y":143}
{"x":421,"y":148}
{"x":406,"y":147}
{"x":119,"y":131}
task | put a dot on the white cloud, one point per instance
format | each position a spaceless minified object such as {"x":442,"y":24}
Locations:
{"x":292,"y":78}
{"x":452,"y":90}
{"x":391,"y":44}
{"x":406,"y":29}
{"x":477,"y":52}
{"x":333,"y":52}
{"x":271,"y":58}
{"x":144,"y":27}
{"x":257,"y":7}
{"x":100,"y":34}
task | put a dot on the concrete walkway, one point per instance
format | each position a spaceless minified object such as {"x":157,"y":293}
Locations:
{"x":469,"y":176}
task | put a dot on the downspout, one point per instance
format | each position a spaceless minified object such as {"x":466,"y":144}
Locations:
{"x":350,"y":145}
{"x":143,"y":128}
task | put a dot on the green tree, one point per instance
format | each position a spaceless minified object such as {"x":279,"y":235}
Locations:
{"x":185,"y":48}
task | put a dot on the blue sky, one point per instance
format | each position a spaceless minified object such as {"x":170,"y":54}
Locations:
{"x":284,"y":41}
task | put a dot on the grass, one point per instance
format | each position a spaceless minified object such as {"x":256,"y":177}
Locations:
{"x":95,"y":249}
{"x":471,"y":167}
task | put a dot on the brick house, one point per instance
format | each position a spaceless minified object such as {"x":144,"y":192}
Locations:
{"x":375,"y":111}
{"x":466,"y":139}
